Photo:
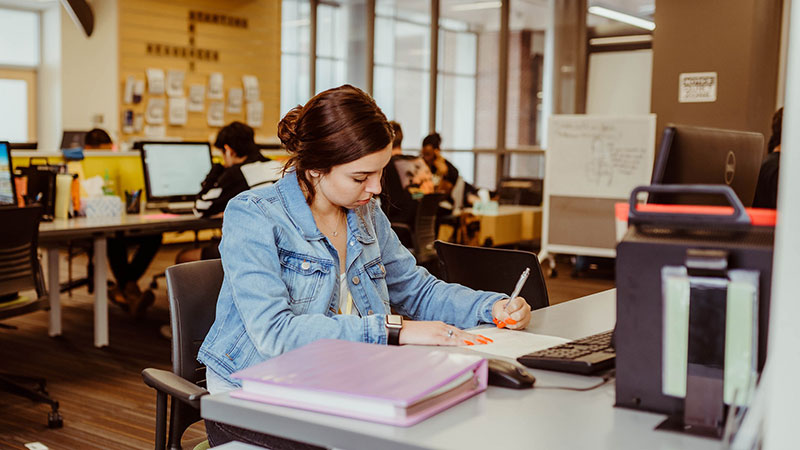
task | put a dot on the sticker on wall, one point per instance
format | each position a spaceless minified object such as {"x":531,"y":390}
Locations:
{"x":255,"y":113}
{"x":127,"y":121}
{"x":154,"y":114}
{"x":138,"y":92}
{"x":155,"y":81}
{"x":177,"y":111}
{"x":216,"y":114}
{"x":197,"y":97}
{"x":235,"y":100}
{"x":155,"y":131}
{"x":175,"y":83}
{"x":127,"y":97}
{"x":250,"y":83}
{"x":697,"y":87}
{"x":215,"y":90}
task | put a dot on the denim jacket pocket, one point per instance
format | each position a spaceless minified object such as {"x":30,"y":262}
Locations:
{"x":302,"y":274}
{"x":377,"y":273}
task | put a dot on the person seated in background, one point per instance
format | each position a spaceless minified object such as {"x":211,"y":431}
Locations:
{"x":243,"y":167}
{"x":405,"y":179}
{"x":444,"y":173}
{"x":767,"y":186}
{"x":98,"y":139}
{"x":125,"y":291}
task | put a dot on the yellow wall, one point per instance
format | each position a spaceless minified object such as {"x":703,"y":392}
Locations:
{"x":254,"y":50}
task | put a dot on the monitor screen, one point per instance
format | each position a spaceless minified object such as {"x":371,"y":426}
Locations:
{"x":173,"y":171}
{"x":697,"y":155}
{"x":7,"y":192}
{"x":72,"y":139}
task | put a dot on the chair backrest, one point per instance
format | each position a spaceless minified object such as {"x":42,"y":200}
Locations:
{"x":492,"y":269}
{"x":193,"y":289}
{"x":19,"y":264}
{"x":425,"y":227}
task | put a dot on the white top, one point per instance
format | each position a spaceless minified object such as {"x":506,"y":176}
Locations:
{"x":345,"y":299}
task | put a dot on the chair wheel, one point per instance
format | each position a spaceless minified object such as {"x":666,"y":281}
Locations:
{"x":54,"y":420}
{"x":553,"y":273}
{"x":154,"y":284}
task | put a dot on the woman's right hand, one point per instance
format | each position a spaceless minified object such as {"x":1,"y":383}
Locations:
{"x":436,"y":333}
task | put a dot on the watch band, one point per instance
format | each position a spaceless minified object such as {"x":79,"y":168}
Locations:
{"x":394,"y":323}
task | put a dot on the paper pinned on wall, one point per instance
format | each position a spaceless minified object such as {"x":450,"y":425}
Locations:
{"x":155,"y":81}
{"x":154,"y":114}
{"x":138,"y":122}
{"x":155,"y":131}
{"x":138,"y":91}
{"x":251,"y":92}
{"x":177,"y":111}
{"x":197,"y":93}
{"x":127,"y":97}
{"x":215,"y":90}
{"x":175,"y":83}
{"x":255,"y":114}
{"x":235,"y":100}
{"x":216,"y":114}
{"x":127,"y":121}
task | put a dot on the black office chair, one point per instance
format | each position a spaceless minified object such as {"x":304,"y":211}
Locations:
{"x":424,"y":232}
{"x":492,"y":269}
{"x":193,"y":289}
{"x":20,"y":272}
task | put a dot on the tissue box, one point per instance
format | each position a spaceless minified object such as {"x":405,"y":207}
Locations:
{"x":102,"y":206}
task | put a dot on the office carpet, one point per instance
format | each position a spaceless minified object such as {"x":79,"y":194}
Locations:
{"x":104,"y":403}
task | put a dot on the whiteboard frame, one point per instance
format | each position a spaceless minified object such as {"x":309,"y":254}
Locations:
{"x":547,"y":248}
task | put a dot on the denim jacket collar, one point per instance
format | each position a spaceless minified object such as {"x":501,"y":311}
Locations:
{"x":294,"y":201}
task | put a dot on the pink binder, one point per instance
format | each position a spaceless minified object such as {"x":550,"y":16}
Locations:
{"x":386,"y":384}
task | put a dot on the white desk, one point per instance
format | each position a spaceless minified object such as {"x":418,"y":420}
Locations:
{"x":59,"y":232}
{"x":498,"y":418}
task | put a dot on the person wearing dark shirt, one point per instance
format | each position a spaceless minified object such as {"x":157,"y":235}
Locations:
{"x":397,"y":202}
{"x":243,"y":168}
{"x":125,"y":291}
{"x":767,"y":186}
{"x":445,"y":174}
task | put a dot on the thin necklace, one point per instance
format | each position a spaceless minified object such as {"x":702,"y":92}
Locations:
{"x":338,"y":223}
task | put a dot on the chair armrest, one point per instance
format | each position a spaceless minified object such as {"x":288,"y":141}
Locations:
{"x":169,"y":383}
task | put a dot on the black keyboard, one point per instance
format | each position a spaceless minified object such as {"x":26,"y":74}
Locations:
{"x":584,"y":356}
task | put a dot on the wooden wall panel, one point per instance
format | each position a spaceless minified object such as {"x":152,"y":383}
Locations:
{"x":255,"y":50}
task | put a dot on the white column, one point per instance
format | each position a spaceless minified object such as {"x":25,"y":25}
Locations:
{"x":782,"y":388}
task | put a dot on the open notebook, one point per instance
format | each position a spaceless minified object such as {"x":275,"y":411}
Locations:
{"x":386,"y":384}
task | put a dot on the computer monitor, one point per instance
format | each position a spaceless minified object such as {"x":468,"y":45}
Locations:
{"x":173,"y":171}
{"x":8,"y":192}
{"x":697,"y":155}
{"x":72,"y":139}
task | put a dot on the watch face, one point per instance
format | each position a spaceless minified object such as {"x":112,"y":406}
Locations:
{"x":394,"y":320}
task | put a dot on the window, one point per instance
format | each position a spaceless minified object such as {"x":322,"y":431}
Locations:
{"x":19,"y":60}
{"x":19,"y":38}
{"x":402,"y":66}
{"x":295,"y":35}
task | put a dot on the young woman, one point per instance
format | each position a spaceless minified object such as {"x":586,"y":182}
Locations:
{"x":313,"y":257}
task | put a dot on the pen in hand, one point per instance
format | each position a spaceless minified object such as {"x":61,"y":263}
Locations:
{"x":520,"y":283}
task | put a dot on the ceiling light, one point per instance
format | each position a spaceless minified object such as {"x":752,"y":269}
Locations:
{"x":622,"y":17}
{"x":476,"y":6}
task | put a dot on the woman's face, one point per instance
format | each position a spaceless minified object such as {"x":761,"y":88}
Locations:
{"x":429,"y":153}
{"x":353,"y":184}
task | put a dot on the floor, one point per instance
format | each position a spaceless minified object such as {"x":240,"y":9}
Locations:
{"x":104,"y":403}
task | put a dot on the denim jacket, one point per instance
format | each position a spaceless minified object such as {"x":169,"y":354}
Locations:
{"x":281,"y":285}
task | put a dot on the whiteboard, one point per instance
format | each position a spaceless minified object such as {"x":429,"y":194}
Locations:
{"x":599,"y":156}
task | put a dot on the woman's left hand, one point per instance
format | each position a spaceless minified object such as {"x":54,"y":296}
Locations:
{"x":515,"y":316}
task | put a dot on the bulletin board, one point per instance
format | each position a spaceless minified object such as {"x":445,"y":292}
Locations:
{"x":592,"y":162}
{"x":212,"y":44}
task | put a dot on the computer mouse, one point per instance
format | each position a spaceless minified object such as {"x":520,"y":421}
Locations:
{"x":504,"y":374}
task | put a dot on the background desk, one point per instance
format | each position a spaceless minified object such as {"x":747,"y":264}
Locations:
{"x":511,"y":224}
{"x":499,"y":418}
{"x":60,"y":232}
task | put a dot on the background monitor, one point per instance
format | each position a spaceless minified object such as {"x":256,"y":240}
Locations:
{"x":72,"y":139}
{"x":8,"y":193}
{"x":173,"y":171}
{"x":697,"y":155}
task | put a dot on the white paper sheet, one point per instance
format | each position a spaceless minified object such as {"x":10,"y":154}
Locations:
{"x":513,"y":344}
{"x":154,"y":114}
{"x":235,"y":100}
{"x":177,"y":111}
{"x":197,"y":97}
{"x":215,"y":90}
{"x":216,"y":114}
{"x":255,"y":114}
{"x":138,"y":91}
{"x":251,"y":91}
{"x":127,"y":97}
{"x":155,"y":81}
{"x":175,"y":83}
{"x":155,"y":131}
